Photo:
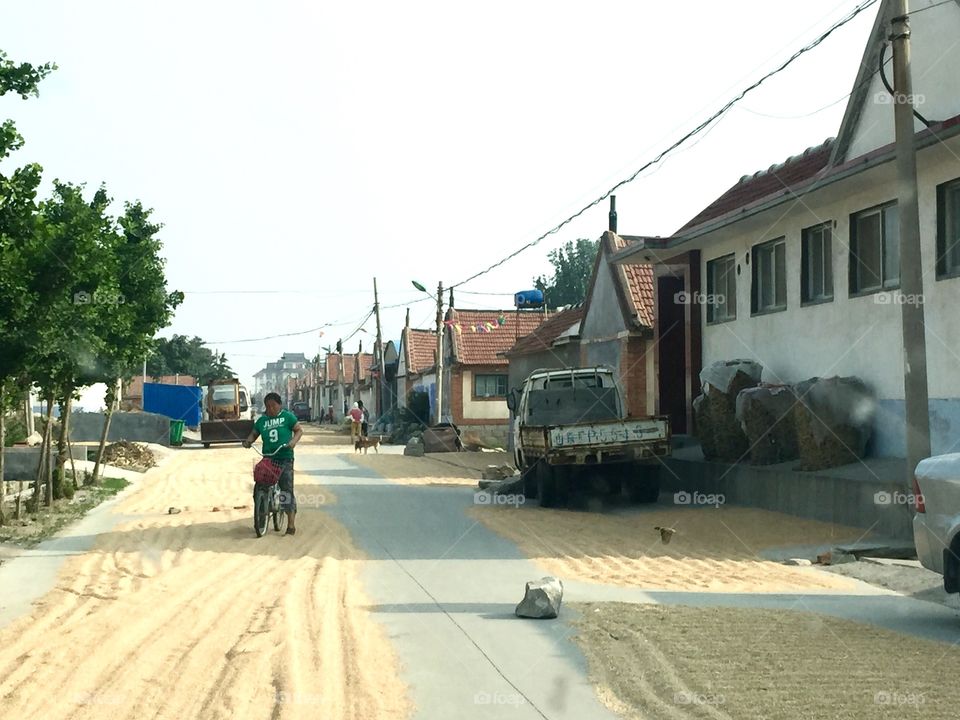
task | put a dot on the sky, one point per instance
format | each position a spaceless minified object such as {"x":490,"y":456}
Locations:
{"x":295,"y":150}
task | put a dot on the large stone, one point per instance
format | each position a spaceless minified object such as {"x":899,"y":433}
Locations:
{"x":765,"y":414}
{"x":834,"y":419}
{"x":717,"y":428}
{"x":541,"y":599}
{"x":414,"y":448}
{"x":441,"y":438}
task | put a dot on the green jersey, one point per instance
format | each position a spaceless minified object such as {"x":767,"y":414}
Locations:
{"x":275,"y":431}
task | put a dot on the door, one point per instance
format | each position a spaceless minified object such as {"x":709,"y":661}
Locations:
{"x":672,"y":300}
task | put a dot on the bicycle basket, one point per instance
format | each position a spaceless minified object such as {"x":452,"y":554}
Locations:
{"x":267,"y":472}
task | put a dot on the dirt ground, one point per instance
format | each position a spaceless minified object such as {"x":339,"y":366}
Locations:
{"x":713,"y":549}
{"x":462,"y":468}
{"x":190,"y":615}
{"x":651,"y":661}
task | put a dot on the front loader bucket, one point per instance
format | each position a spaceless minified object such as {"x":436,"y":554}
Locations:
{"x":224,"y":431}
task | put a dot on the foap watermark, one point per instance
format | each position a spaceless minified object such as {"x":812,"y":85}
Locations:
{"x":498,"y":698}
{"x":885,"y":98}
{"x":98,"y":297}
{"x":284,"y":697}
{"x":698,"y":498}
{"x":898,"y":298}
{"x":693,"y":698}
{"x":896,"y":498}
{"x":488,"y":498}
{"x":697,"y":298}
{"x":304,"y":499}
{"x":899,"y":699}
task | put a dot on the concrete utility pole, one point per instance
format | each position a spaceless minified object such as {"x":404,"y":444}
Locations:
{"x":343,"y":395}
{"x":381,"y":404}
{"x":916,"y":402}
{"x":439,"y":394}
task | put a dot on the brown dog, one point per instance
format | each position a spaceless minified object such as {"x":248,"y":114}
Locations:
{"x":365,"y":443}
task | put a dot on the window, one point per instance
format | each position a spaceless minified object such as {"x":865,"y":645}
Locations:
{"x":816,"y":270}
{"x":721,"y":289}
{"x":769,"y":288}
{"x":875,"y":250}
{"x":488,"y":386}
{"x":948,"y":229}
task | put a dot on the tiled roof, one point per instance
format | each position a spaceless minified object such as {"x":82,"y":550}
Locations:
{"x":472,"y":347}
{"x":333,"y":368}
{"x":636,"y":282}
{"x":766,"y":183}
{"x":365,"y":362}
{"x":420,"y":348}
{"x":544,"y":336}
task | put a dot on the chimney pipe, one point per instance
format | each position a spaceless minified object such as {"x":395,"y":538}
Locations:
{"x":613,"y":214}
{"x":451,"y":298}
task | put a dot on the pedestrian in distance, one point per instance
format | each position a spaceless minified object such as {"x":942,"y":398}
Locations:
{"x":356,"y":418}
{"x":365,"y":421}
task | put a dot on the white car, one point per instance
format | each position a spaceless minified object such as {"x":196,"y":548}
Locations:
{"x":936,"y":525}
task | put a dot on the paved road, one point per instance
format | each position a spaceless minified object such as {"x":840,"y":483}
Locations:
{"x":445,"y":588}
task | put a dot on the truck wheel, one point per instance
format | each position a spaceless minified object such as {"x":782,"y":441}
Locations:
{"x":562,"y":477}
{"x":643,"y":486}
{"x":546,"y":485}
{"x":206,"y":445}
{"x":530,"y":481}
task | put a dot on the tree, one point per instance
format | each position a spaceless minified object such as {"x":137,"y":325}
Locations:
{"x":572,"y":269}
{"x":187,"y":356}
{"x":18,"y":209}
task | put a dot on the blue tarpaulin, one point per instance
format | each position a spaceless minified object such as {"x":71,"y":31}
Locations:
{"x":177,"y":402}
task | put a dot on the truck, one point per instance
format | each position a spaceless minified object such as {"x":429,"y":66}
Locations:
{"x":226,"y":417}
{"x":570,"y":426}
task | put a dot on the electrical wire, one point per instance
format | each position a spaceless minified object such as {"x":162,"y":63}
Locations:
{"x":290,"y":334}
{"x":697,"y":130}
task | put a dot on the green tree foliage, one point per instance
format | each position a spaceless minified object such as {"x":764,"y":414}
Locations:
{"x":572,"y":270}
{"x":187,"y":356}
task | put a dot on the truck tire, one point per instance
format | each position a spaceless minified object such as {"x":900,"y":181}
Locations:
{"x":643,"y":485}
{"x":562,"y":481}
{"x":529,"y":473}
{"x":546,"y":485}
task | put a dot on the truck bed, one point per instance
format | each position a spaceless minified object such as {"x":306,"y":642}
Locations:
{"x":588,"y":443}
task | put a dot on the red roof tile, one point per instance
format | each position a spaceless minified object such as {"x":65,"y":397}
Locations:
{"x":420,"y":347}
{"x":333,"y":368}
{"x":365,"y":362}
{"x":543,"y":337}
{"x":471,"y":347}
{"x":776,"y":180}
{"x":636,"y":282}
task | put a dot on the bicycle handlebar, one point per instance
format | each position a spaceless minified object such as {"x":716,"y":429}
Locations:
{"x":266,"y":455}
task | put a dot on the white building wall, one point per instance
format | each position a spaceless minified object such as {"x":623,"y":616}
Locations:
{"x":858,"y":336}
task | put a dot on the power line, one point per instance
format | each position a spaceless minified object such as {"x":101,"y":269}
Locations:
{"x":699,"y":128}
{"x":290,"y":334}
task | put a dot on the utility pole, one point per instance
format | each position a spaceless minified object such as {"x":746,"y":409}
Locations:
{"x":379,"y":354}
{"x":439,"y":393}
{"x":916,"y":401}
{"x":343,"y":395}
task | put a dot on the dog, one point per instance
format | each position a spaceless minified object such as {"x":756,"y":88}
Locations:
{"x":365,"y":443}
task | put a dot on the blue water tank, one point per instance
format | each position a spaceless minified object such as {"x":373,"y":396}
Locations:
{"x":528,"y":299}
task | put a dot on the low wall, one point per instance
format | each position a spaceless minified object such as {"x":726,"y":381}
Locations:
{"x":869,"y":495}
{"x":21,"y":463}
{"x":132,"y":426}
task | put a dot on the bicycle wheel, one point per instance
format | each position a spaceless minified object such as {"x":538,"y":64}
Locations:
{"x":261,"y":512}
{"x":279,"y":516}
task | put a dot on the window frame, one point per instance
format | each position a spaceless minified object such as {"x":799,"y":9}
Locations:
{"x":731,"y":276}
{"x":854,"y":250}
{"x":826,"y":238}
{"x":944,"y":271}
{"x":756,"y":269}
{"x":486,"y":376}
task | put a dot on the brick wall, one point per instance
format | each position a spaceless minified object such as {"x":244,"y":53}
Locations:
{"x":633,"y":375}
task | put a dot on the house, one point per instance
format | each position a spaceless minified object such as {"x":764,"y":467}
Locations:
{"x":386,"y":378}
{"x":617,"y":328}
{"x":475,"y":370}
{"x":274,"y":376}
{"x":338,"y":385}
{"x":363,"y":380}
{"x":798,"y":266}
{"x":554,"y":344}
{"x":416,"y":363}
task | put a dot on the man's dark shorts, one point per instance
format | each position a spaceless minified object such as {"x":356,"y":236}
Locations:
{"x":288,"y":501}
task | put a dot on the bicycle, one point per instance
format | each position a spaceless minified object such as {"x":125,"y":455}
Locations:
{"x":266,"y":494}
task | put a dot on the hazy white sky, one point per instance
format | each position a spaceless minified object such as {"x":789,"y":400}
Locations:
{"x":307,"y":147}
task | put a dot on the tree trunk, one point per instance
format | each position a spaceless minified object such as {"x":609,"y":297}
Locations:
{"x":73,"y":465}
{"x":48,"y":500}
{"x":44,"y":459}
{"x":3,"y":443}
{"x":111,"y":399}
{"x":62,"y":442}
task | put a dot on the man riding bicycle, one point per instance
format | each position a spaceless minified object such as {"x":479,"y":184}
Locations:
{"x":279,"y":428}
